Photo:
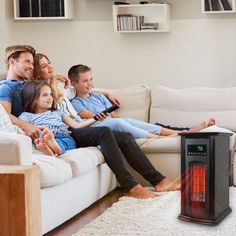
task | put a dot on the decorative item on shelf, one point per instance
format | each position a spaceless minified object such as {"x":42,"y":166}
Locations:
{"x":149,"y":26}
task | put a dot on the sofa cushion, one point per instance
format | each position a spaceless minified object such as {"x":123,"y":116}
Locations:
{"x":15,"y":149}
{"x":163,"y":145}
{"x":173,"y":144}
{"x":3,"y":75}
{"x":53,"y":170}
{"x":135,"y":100}
{"x":83,"y":160}
{"x":6,"y":124}
{"x":189,"y":106}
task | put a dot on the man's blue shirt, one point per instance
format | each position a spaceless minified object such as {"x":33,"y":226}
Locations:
{"x":11,"y":91}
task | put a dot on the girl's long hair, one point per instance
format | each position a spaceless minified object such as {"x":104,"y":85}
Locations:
{"x":31,"y":92}
{"x":57,"y":92}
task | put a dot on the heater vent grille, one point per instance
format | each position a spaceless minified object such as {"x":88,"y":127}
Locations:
{"x":198,"y":182}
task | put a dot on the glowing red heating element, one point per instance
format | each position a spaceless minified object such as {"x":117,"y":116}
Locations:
{"x":198,"y":182}
{"x":204,"y":177}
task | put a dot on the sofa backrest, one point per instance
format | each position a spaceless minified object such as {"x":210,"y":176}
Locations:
{"x":189,"y":106}
{"x":2,"y":75}
{"x":135,"y":101}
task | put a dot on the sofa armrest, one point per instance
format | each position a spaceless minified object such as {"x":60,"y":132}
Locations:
{"x":15,"y":149}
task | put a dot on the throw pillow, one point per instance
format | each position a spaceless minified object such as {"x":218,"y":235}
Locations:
{"x":6,"y":124}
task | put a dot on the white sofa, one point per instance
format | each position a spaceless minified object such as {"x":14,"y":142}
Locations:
{"x":80,"y":177}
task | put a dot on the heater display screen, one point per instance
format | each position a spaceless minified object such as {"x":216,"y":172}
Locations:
{"x":196,"y":150}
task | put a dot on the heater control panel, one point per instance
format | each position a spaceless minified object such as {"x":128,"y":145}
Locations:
{"x":196,"y":150}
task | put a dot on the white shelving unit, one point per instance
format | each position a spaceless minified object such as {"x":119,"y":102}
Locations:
{"x":152,"y":13}
{"x":221,"y":5}
{"x":68,"y":12}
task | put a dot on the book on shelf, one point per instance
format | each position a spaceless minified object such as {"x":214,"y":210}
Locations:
{"x":207,"y":5}
{"x":35,"y":11}
{"x":52,"y":8}
{"x":44,"y":8}
{"x":225,"y":5}
{"x":24,"y":8}
{"x":214,"y":5}
{"x":129,"y":22}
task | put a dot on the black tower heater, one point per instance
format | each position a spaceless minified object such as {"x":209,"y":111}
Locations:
{"x":205,"y":161}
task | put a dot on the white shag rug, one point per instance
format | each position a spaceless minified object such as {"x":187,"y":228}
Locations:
{"x":155,"y":217}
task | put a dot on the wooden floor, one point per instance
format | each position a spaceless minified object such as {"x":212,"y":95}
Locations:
{"x":87,"y":215}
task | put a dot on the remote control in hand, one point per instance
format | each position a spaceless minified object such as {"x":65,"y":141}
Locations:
{"x":108,"y":110}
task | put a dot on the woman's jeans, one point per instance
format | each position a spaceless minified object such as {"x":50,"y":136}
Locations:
{"x":137,"y":128}
{"x":116,"y":147}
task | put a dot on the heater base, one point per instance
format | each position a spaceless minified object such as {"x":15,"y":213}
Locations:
{"x":216,"y":221}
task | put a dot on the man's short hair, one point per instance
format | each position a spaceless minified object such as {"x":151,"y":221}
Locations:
{"x":15,"y":51}
{"x":76,"y":70}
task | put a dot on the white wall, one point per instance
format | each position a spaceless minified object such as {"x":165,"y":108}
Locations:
{"x":199,"y":51}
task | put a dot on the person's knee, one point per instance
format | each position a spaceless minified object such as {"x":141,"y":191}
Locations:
{"x":128,"y":135}
{"x":126,"y":138}
{"x":120,"y":124}
{"x":106,"y":130}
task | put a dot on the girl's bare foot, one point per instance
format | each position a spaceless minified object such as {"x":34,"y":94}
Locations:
{"x":167,"y":185}
{"x":140,"y":192}
{"x":211,"y":121}
{"x":48,"y":138}
{"x":43,"y":147}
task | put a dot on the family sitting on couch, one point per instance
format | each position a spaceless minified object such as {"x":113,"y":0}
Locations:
{"x":34,"y":100}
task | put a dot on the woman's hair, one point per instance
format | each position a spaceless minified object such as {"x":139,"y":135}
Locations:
{"x":57,"y":92}
{"x":31,"y":92}
{"x":76,"y":70}
{"x":37,"y":58}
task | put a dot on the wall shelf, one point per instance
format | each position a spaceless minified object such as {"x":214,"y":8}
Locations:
{"x":128,"y":18}
{"x":218,"y":6}
{"x":43,"y":9}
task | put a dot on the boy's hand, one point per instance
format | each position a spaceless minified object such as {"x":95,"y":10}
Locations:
{"x":101,"y":116}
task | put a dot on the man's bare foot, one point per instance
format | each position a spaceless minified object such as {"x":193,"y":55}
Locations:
{"x":48,"y":138}
{"x":43,"y":147}
{"x":167,"y":185}
{"x":140,"y":192}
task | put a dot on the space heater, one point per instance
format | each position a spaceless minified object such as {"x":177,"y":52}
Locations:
{"x":205,"y":161}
